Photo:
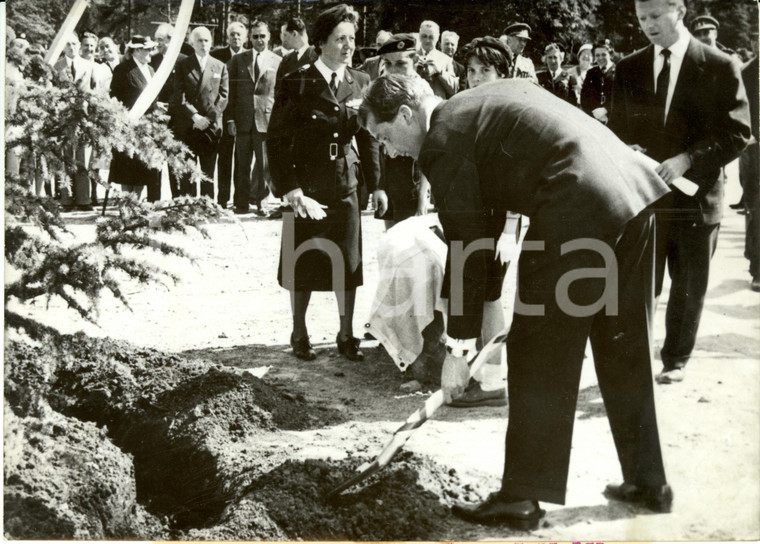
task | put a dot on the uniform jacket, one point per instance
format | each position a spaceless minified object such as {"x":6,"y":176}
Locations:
{"x":290,"y":62}
{"x":372,"y":67}
{"x":251,"y":100}
{"x":202,"y":93}
{"x":445,"y":83}
{"x":708,"y":118}
{"x":597,"y":88}
{"x":84,"y":72}
{"x":511,"y":146}
{"x":560,"y":85}
{"x":524,"y":69}
{"x":310,"y":136}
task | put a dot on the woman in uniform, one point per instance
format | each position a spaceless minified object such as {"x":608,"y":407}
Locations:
{"x":315,"y":167}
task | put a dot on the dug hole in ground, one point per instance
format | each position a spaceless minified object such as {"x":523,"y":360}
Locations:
{"x":189,"y":418}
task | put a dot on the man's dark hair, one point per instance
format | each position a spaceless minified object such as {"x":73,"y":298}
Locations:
{"x":490,"y":51}
{"x":259,"y":22}
{"x":295,"y":24}
{"x":329,"y":19}
{"x":387,"y":94}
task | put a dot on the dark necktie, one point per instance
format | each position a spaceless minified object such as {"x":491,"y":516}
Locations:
{"x":73,"y":72}
{"x":663,"y":82}
{"x":256,"y":67}
{"x":334,"y":83}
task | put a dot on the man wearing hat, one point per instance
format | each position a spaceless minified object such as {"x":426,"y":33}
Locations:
{"x":130,"y":77}
{"x":517,"y":37}
{"x":556,"y":80}
{"x":435,"y":67}
{"x":705,"y":29}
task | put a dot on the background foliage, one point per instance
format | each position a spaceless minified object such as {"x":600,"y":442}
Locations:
{"x":570,"y":22}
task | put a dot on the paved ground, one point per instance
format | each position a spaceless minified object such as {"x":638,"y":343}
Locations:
{"x":230,"y":307}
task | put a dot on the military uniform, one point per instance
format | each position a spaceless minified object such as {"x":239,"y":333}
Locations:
{"x":597,"y":88}
{"x":310,"y":142}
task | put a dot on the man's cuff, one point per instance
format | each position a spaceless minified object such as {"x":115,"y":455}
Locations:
{"x":458,"y":347}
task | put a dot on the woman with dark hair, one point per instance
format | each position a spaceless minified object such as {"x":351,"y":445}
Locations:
{"x":487,"y":59}
{"x":315,"y":167}
{"x":597,"y":87}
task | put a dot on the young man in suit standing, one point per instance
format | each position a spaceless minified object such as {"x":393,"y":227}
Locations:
{"x":201,"y":87}
{"x":252,"y":74}
{"x":682,"y":103}
{"x":294,"y":37}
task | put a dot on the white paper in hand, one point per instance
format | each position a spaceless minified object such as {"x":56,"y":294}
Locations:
{"x":682,"y":184}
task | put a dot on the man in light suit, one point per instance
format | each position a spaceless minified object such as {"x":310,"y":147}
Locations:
{"x":236,"y":36}
{"x":436,"y":67}
{"x":682,"y":103}
{"x":73,"y":68}
{"x":511,"y":146}
{"x":252,"y":74}
{"x":201,"y":88}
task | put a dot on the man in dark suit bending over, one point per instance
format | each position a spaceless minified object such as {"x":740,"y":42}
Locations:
{"x":683,"y":104}
{"x":511,"y":146}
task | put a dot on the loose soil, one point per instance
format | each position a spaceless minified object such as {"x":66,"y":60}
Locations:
{"x":174,"y":436}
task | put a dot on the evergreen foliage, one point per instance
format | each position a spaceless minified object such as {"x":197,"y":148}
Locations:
{"x":42,"y":256}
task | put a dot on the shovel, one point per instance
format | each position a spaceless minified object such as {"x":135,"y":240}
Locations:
{"x":415,"y":421}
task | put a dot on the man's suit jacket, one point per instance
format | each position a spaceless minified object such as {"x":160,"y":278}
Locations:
{"x":224,"y":54}
{"x":597,"y":88}
{"x":84,"y":72}
{"x":560,"y":85}
{"x":251,"y":100}
{"x":290,"y":62}
{"x":461,"y":72}
{"x":524,"y":69}
{"x":202,"y":93}
{"x":310,"y":136}
{"x":511,"y":146}
{"x":445,"y":83}
{"x":166,"y":91}
{"x":708,"y":118}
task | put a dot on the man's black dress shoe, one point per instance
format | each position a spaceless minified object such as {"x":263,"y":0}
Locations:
{"x":241,"y":211}
{"x":84,"y":208}
{"x":498,"y":510}
{"x":349,"y":348}
{"x":657,"y":499}
{"x":302,"y":348}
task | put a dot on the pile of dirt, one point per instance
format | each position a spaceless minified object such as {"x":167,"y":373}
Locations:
{"x":177,"y":418}
{"x":65,"y":479}
{"x":405,"y":501}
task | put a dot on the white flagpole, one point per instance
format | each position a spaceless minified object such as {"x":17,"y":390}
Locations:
{"x":67,"y":28}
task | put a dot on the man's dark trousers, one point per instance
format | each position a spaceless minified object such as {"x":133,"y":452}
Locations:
{"x":546,"y":355}
{"x":224,"y":167}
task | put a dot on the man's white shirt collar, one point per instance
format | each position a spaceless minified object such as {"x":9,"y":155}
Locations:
{"x":202,"y":61}
{"x":677,"y":54}
{"x":327,"y":72}
{"x":301,"y":51}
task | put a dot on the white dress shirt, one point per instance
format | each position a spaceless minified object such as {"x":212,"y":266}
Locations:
{"x":677,"y":54}
{"x":327,"y":72}
{"x":202,"y":61}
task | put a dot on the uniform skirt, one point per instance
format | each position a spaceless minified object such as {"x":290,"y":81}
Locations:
{"x":324,"y":255}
